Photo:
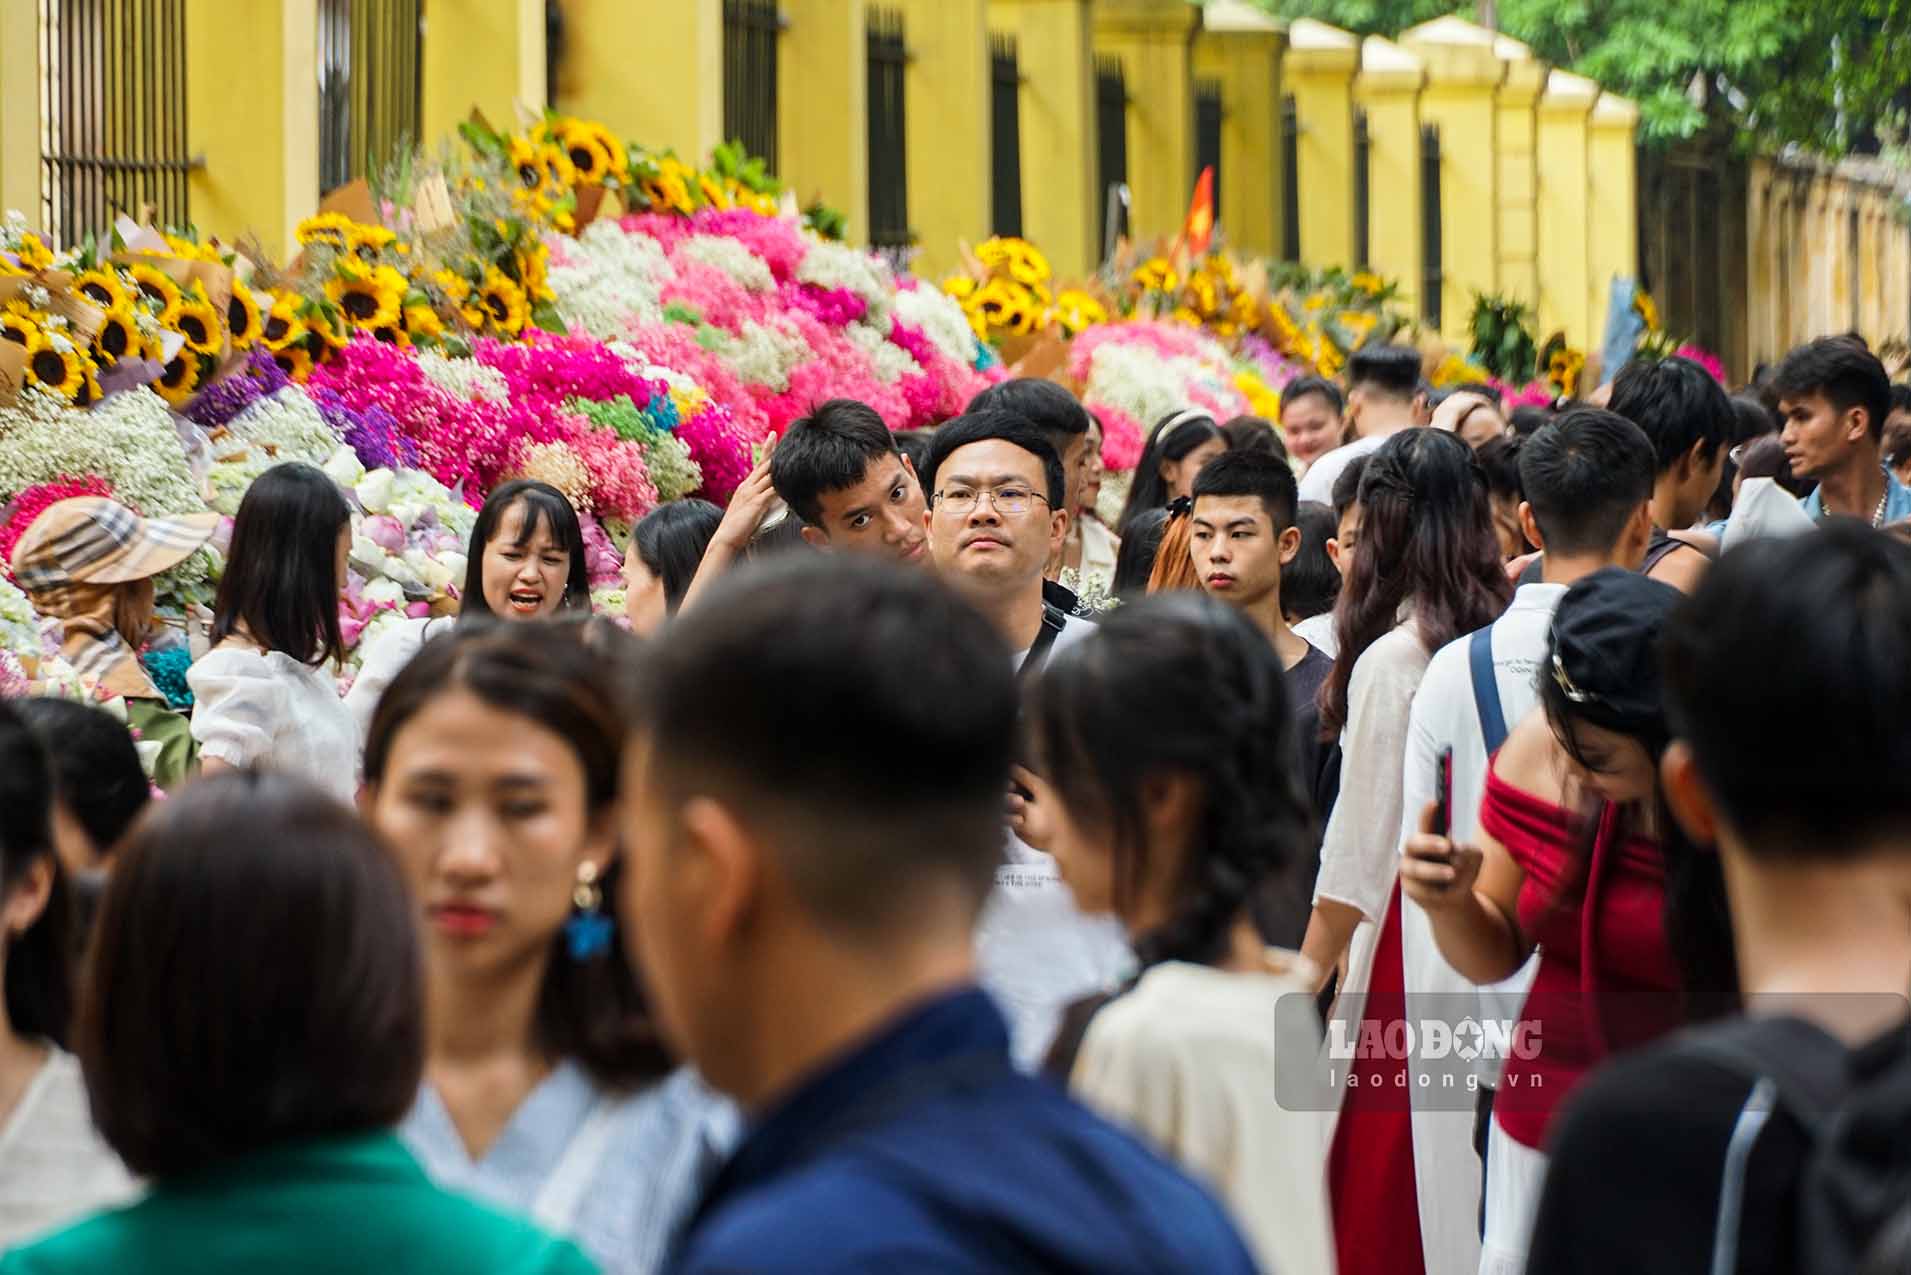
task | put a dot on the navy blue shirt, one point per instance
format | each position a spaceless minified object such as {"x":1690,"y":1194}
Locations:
{"x":924,"y":1150}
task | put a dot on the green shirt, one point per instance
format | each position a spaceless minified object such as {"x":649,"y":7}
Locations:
{"x":342,"y":1206}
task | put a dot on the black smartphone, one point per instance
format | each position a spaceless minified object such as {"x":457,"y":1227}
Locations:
{"x":1443,"y":812}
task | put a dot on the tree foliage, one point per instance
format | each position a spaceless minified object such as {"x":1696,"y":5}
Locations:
{"x":1827,"y":75}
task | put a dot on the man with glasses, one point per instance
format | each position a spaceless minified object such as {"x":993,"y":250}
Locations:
{"x":997,"y":513}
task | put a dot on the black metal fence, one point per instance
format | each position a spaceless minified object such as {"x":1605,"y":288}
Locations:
{"x":888,"y":138}
{"x":1005,"y":135}
{"x":1433,"y":276}
{"x":750,"y":30}
{"x":1207,"y":133}
{"x":1363,"y":190}
{"x":113,"y":102}
{"x":371,"y":72}
{"x":1111,"y":137}
{"x":1290,"y":180}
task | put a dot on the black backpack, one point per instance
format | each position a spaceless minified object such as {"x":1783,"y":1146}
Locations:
{"x":1855,"y":1107}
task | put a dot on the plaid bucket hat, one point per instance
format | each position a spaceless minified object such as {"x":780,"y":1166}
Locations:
{"x":93,"y":540}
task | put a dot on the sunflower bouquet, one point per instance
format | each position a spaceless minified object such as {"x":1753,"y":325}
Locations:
{"x":1212,"y":293}
{"x":1007,"y":293}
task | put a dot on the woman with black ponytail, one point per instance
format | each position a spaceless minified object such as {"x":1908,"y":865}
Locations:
{"x":1169,"y":798}
{"x":53,"y":1166}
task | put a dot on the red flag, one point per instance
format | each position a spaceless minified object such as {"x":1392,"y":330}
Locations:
{"x":1198,"y":231}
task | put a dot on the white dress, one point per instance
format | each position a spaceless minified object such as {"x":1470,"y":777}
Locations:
{"x":53,"y":1167}
{"x":266,"y":710}
{"x":384,"y":660}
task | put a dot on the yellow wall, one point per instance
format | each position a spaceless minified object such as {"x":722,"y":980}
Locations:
{"x":1320,"y":68}
{"x":1614,"y":199}
{"x":1389,"y":91}
{"x":667,"y":100}
{"x":1518,"y":221}
{"x":1153,"y":39}
{"x":1243,"y":51}
{"x":823,"y":137}
{"x":1463,"y":76}
{"x":946,"y":105}
{"x":487,"y":54}
{"x":252,"y":111}
{"x":1057,"y":109}
{"x":1563,"y":223}
{"x":20,"y":109}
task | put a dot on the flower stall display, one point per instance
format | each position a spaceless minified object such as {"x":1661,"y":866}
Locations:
{"x":1133,"y":374}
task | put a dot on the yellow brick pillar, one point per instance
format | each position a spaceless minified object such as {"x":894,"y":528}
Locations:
{"x":823,"y":138}
{"x":1463,"y":78}
{"x":1154,"y":39}
{"x":1564,"y":159}
{"x":1320,"y":68}
{"x":1389,"y":91}
{"x":20,"y":110}
{"x":489,"y":54}
{"x":1613,"y":198}
{"x":1057,"y":108}
{"x":1517,"y":124}
{"x":675,"y":102}
{"x":252,"y":112}
{"x":946,"y":128}
{"x":1240,"y":46}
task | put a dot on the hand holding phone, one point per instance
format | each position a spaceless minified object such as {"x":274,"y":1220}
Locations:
{"x":1434,"y":872}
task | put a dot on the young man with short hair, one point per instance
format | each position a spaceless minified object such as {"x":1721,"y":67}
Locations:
{"x":996,"y":516}
{"x":812,"y":818}
{"x":1587,"y":480}
{"x":840,"y":471}
{"x":1242,"y":533}
{"x":1834,"y":397}
{"x":1311,"y":409}
{"x":1689,"y":420}
{"x":1383,"y":390}
{"x":1697,"y":1146}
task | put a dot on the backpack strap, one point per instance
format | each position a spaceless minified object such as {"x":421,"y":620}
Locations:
{"x":1808,"y":1070}
{"x":1053,"y":622}
{"x":1486,"y":690}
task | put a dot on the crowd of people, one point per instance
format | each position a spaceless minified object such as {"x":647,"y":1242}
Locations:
{"x":925,"y":874}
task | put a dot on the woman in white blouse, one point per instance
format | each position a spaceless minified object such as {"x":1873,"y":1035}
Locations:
{"x":492,"y":769}
{"x":53,"y":1165}
{"x":1170,"y":798}
{"x":266,"y":695}
{"x":525,"y":562}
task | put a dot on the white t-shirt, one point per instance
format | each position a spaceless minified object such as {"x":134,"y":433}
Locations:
{"x":1036,"y":952}
{"x":384,"y":660}
{"x":267,"y":710}
{"x":1187,"y":1059}
{"x":53,"y":1166}
{"x":1318,"y":482}
{"x":1318,"y":630}
{"x":1446,"y":715}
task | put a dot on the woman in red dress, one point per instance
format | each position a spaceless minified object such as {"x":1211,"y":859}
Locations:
{"x":1578,"y":859}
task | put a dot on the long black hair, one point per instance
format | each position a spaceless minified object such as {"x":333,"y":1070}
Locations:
{"x":566,"y":677}
{"x":1135,"y":560}
{"x":39,"y":982}
{"x":1172,"y":438}
{"x":1178,"y":684}
{"x":281,"y":579}
{"x":670,"y":540}
{"x":543,"y":505}
{"x":1606,"y":670}
{"x":1426,"y":537}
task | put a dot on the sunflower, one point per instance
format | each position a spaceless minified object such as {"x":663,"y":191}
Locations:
{"x":1648,"y":311}
{"x":1076,"y":311}
{"x":180,"y":380}
{"x":33,"y":252}
{"x":1207,"y":293}
{"x":198,"y":322}
{"x":1371,"y":284}
{"x":18,"y":326}
{"x":422,"y":323}
{"x":157,"y":287}
{"x":101,"y":287}
{"x":1156,"y":275}
{"x":668,"y":192}
{"x":1564,"y":370}
{"x":326,"y":227}
{"x":369,"y":241}
{"x":295,"y":361}
{"x":712,"y":192}
{"x":1358,"y":324}
{"x":454,"y":285}
{"x":369,"y":296}
{"x":242,"y":316}
{"x":1027,"y":264}
{"x":521,"y":152}
{"x":89,"y":393}
{"x":1008,"y":306}
{"x":588,"y":147}
{"x":1287,"y":335}
{"x":118,"y":336}
{"x":393,"y":334}
{"x":1183,"y":314}
{"x":329,"y":324}
{"x":282,"y":324}
{"x":959,"y":286}
{"x":503,"y":302}
{"x":62,"y":371}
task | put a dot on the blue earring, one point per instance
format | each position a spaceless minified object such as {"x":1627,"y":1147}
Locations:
{"x":587,"y":932}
